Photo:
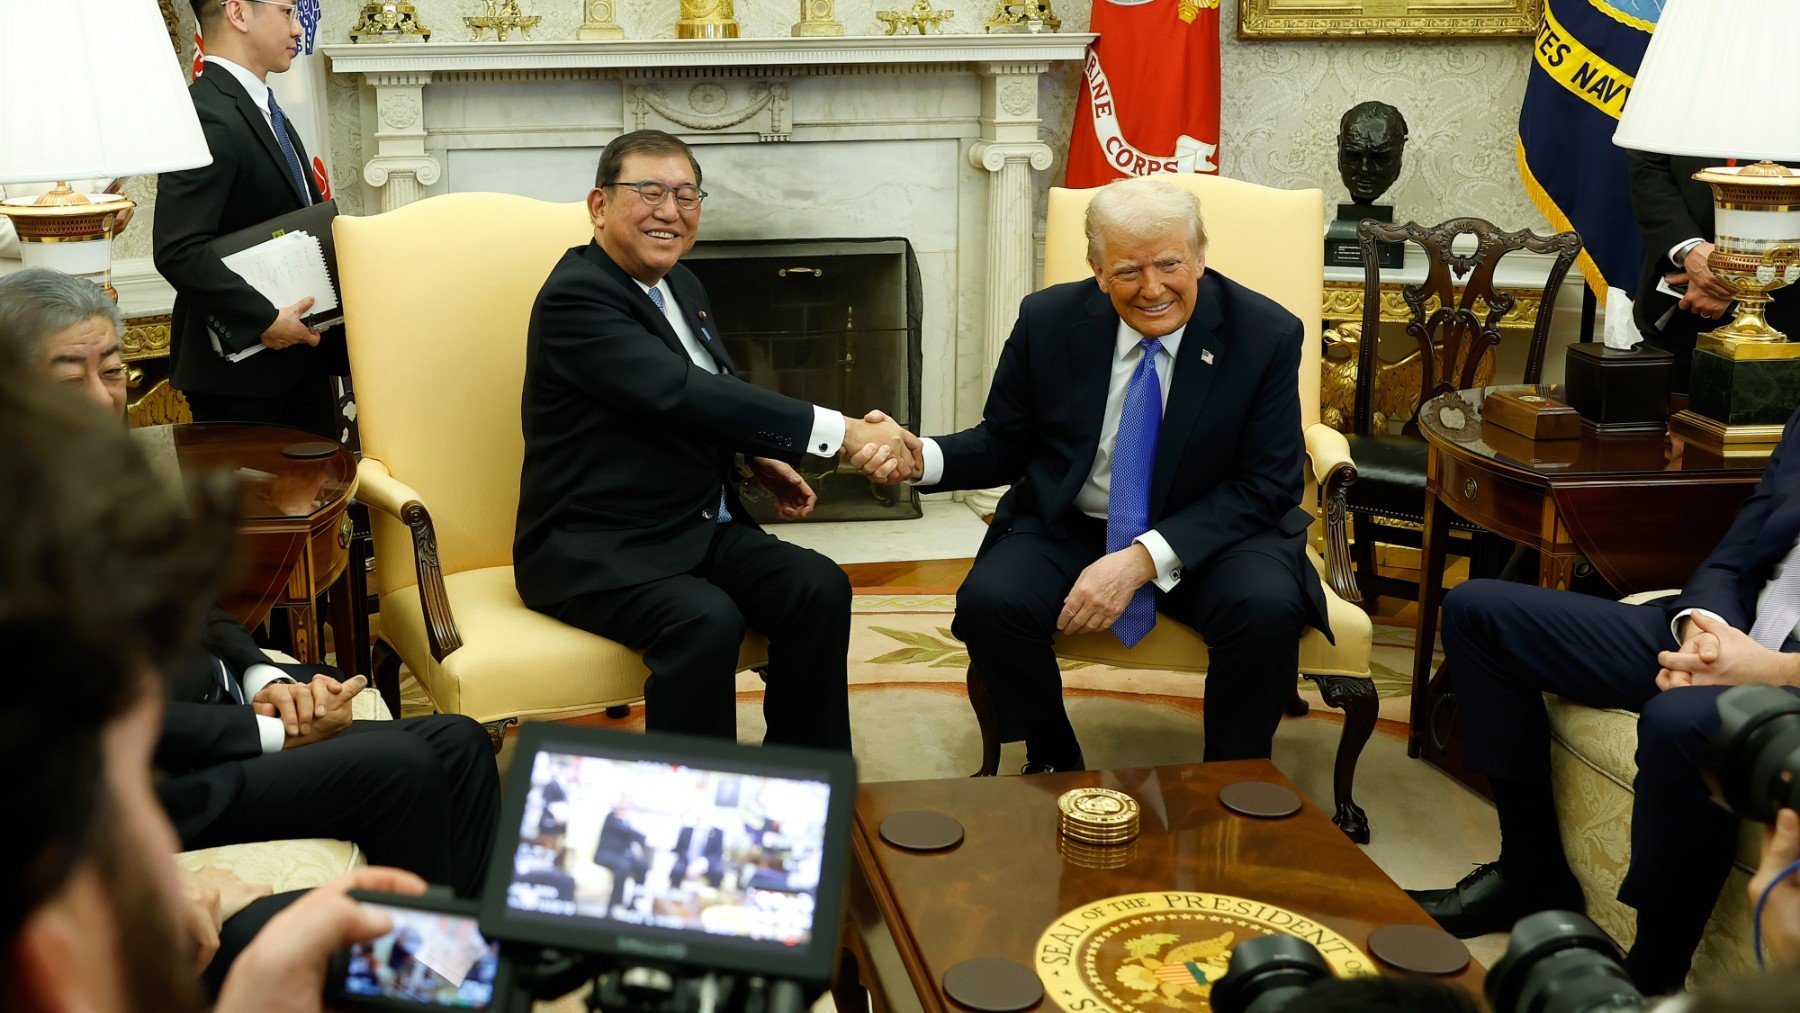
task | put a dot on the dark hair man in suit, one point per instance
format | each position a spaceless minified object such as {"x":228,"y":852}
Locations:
{"x":259,"y":171}
{"x":1507,"y":644}
{"x":629,"y":521}
{"x":253,"y":749}
{"x":102,"y":573}
{"x":1148,"y":422}
{"x":1675,"y":217}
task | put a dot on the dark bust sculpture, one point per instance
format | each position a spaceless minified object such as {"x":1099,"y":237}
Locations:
{"x":1371,"y":140}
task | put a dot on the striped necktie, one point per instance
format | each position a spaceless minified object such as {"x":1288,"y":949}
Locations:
{"x":662,"y":304}
{"x":279,"y":122}
{"x":1128,"y":499}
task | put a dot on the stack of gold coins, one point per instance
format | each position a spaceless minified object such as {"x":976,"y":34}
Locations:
{"x":1098,"y":816}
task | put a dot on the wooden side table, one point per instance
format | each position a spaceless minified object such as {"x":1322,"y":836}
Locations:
{"x":1643,"y":509}
{"x":294,"y":528}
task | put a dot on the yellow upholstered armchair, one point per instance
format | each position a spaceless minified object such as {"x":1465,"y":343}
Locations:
{"x":1272,"y":241}
{"x":437,"y":299}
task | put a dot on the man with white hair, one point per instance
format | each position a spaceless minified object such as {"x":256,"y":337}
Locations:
{"x":1148,"y":422}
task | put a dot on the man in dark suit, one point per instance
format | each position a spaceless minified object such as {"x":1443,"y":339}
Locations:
{"x":622,"y":849}
{"x":629,"y":521}
{"x":258,"y":172}
{"x":256,"y":750}
{"x":1675,"y":217}
{"x":1149,"y":424}
{"x":704,"y":843}
{"x":1507,"y":644}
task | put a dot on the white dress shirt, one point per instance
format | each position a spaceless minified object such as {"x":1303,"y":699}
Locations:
{"x":1095,"y":494}
{"x":828,"y":426}
{"x":270,"y":730}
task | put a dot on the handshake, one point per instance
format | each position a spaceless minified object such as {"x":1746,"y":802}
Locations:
{"x":881,"y":449}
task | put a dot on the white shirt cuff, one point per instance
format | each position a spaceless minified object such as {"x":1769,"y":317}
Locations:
{"x":827,"y":432}
{"x":1678,"y":252}
{"x":1168,"y":564}
{"x":272,"y":733}
{"x":258,"y":676}
{"x":1675,"y":623}
{"x":934,"y":463}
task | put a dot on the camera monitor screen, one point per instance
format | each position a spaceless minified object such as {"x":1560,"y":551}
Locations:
{"x":431,"y":959}
{"x":694,"y":851}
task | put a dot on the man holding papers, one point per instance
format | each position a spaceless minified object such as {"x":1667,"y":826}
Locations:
{"x":257,"y":173}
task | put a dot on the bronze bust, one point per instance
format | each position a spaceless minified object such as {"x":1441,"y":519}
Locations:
{"x":1371,"y":140}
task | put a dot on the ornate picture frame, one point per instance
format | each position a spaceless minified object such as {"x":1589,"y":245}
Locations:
{"x":1387,"y":19}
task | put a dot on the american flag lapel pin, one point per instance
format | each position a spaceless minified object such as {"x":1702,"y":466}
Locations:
{"x":703,"y":331}
{"x":1206,"y":356}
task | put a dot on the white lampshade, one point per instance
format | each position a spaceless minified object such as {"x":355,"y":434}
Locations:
{"x":1721,"y":78}
{"x":92,"y":88}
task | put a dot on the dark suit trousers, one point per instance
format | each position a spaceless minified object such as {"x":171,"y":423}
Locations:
{"x":1506,"y":644}
{"x":690,"y":627}
{"x":422,"y":794}
{"x":311,"y":407}
{"x":1247,"y":605}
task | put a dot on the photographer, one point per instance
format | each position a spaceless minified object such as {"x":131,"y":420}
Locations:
{"x":102,"y":577}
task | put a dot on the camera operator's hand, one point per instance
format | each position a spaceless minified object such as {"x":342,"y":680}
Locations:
{"x":212,"y":896}
{"x":283,"y":968}
{"x":1719,"y":655}
{"x":1781,"y":916}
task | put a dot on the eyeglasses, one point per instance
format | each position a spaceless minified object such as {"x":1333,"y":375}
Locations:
{"x":687,"y":196}
{"x":292,"y":10}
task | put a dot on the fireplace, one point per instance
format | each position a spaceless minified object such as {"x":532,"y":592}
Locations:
{"x":832,"y":321}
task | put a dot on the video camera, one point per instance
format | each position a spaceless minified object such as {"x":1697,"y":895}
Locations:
{"x":1752,"y":763}
{"x":1555,"y":962}
{"x":675,"y":873}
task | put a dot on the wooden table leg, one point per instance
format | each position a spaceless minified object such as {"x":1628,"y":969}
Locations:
{"x":343,"y":606}
{"x":303,"y":634}
{"x":1431,"y":594}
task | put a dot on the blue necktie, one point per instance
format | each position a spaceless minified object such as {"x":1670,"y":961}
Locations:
{"x":656,"y":297}
{"x":1128,"y":500}
{"x":222,"y":676}
{"x":279,"y":122}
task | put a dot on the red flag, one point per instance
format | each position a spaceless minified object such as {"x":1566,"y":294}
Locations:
{"x":1150,"y":95}
{"x":199,"y":55}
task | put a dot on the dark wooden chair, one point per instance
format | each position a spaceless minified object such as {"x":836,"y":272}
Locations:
{"x":1455,"y":322}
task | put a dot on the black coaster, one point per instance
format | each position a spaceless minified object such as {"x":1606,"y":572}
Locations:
{"x":922,"y":830}
{"x":993,"y":985}
{"x":1260,"y":799}
{"x":310,"y":450}
{"x":1419,"y":949}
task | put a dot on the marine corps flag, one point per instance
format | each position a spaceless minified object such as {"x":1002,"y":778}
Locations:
{"x":1584,"y":62}
{"x":1150,"y":92}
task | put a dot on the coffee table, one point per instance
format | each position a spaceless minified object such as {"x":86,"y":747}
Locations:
{"x":913,"y":915}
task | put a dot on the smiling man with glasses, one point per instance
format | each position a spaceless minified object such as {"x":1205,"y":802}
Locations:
{"x":259,"y":171}
{"x":635,"y":424}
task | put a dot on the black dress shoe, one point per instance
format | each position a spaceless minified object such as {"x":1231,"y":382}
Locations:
{"x":1488,"y":900}
{"x":1047,"y":768}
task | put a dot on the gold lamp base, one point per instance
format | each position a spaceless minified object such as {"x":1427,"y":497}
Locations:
{"x":69,"y":232}
{"x":1732,"y":442}
{"x":1756,"y":212}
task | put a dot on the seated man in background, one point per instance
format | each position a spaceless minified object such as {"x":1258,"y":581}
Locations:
{"x":1148,"y":422}
{"x":102,"y":576}
{"x":629,"y":521}
{"x":254,"y":750}
{"x":1507,"y":644}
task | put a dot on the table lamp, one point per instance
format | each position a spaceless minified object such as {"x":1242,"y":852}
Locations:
{"x":91,"y":88}
{"x":1720,"y":79}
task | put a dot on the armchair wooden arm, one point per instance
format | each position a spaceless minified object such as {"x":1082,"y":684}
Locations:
{"x":382,"y":491}
{"x":1335,"y":472}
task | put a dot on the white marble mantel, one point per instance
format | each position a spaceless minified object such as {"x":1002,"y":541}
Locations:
{"x":931,"y":138}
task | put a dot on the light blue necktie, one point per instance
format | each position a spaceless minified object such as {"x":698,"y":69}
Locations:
{"x":1128,"y":501}
{"x":279,"y":122}
{"x":656,"y":297}
{"x":222,"y":676}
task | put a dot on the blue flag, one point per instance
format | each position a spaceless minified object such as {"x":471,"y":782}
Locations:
{"x":1585,"y":59}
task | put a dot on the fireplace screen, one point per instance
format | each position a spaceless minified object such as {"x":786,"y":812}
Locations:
{"x":834,"y":322}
